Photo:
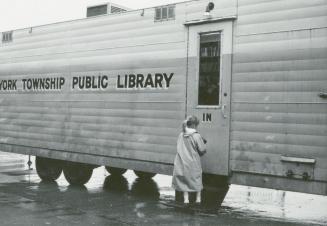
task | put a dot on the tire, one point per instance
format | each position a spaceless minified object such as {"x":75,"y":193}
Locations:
{"x":215,"y":188}
{"x":77,"y":173}
{"x":145,"y":188}
{"x":115,"y":171}
{"x":144,"y":175}
{"x":48,"y":169}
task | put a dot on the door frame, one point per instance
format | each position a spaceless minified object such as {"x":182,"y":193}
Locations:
{"x":194,"y":30}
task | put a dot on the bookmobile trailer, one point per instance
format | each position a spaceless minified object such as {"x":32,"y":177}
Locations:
{"x":113,"y":90}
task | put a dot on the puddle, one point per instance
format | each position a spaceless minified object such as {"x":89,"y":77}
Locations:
{"x":143,"y":197}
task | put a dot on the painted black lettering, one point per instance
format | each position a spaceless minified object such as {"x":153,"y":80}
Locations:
{"x":158,"y":80}
{"x":52,"y":83}
{"x":9,"y":84}
{"x":47,"y":83}
{"x":131,"y":81}
{"x":104,"y":82}
{"x":29,"y":84}
{"x":125,"y":82}
{"x":94,"y":86}
{"x":24,"y":83}
{"x":58,"y":83}
{"x":62,"y":82}
{"x":208,"y":118}
{"x":42,"y":83}
{"x":99,"y":82}
{"x":35,"y":83}
{"x":5,"y":84}
{"x":75,"y":82}
{"x":81,"y":82}
{"x":14,"y":84}
{"x":118,"y":82}
{"x":167,"y":79}
{"x":139,"y":80}
{"x":149,"y":81}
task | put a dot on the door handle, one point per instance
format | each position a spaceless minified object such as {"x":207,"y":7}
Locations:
{"x":322,"y":95}
{"x":223,"y":107}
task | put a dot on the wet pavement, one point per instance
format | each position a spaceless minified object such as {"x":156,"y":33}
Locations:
{"x":128,"y":200}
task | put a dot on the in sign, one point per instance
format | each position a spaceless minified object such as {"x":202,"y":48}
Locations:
{"x":206,"y":117}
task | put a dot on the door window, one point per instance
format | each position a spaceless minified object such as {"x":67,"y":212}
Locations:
{"x":209,"y":73}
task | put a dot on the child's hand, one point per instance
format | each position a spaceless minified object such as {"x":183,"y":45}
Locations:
{"x":202,"y":153}
{"x":204,"y":140}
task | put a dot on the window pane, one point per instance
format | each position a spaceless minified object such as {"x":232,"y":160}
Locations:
{"x":209,"y":74}
{"x":158,"y":14}
{"x":164,"y":13}
{"x":171,"y":12}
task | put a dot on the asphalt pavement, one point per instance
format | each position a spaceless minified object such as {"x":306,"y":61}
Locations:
{"x":128,"y":200}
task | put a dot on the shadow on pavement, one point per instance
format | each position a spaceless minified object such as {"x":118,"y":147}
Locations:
{"x":48,"y":186}
{"x":115,"y":183}
{"x":145,"y":188}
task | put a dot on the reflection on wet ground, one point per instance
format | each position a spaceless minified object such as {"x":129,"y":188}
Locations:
{"x":146,"y":188}
{"x":128,"y":200}
{"x":116,"y":184}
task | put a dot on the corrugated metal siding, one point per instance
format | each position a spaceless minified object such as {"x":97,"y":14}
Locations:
{"x":280,"y":65}
{"x":133,"y":124}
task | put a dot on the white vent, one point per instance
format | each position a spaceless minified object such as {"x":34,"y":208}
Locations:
{"x":115,"y":9}
{"x":103,"y":9}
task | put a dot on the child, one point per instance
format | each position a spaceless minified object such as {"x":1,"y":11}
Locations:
{"x":187,"y":175}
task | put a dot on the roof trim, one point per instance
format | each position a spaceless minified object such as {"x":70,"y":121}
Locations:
{"x":209,"y":20}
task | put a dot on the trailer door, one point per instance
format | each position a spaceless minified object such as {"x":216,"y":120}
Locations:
{"x":208,"y":89}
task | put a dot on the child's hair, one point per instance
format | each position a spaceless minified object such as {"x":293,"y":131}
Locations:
{"x":189,"y":122}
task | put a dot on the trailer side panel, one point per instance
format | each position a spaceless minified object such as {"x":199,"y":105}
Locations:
{"x":279,"y":68}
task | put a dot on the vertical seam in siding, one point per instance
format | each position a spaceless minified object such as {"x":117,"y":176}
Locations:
{"x":231,"y":93}
{"x":187,"y":65}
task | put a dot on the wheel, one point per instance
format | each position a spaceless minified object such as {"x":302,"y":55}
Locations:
{"x":145,"y":188}
{"x":115,"y":171}
{"x":144,"y":175}
{"x":77,"y":173}
{"x":116,"y":183}
{"x":48,"y":169}
{"x":215,"y":188}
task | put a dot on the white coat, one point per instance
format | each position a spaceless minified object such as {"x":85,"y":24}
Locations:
{"x":187,"y":175}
